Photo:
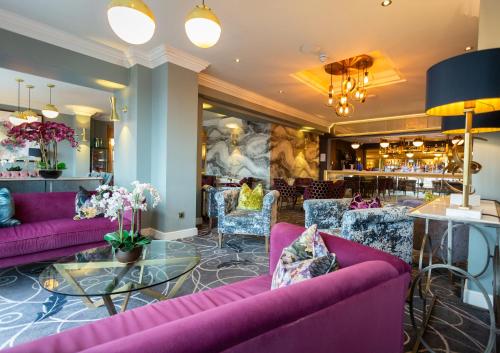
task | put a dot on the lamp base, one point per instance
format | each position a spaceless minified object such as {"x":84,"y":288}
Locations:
{"x":473,"y":212}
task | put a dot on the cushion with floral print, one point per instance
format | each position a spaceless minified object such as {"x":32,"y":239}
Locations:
{"x":305,"y":258}
{"x":358,"y":202}
{"x":83,"y":207}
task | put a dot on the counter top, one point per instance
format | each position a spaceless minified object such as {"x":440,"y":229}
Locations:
{"x":436,"y":209}
{"x":43,"y":179}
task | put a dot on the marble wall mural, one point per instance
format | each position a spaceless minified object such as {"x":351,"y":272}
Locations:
{"x":294,"y":153}
{"x":260,"y":150}
{"x":237,"y":153}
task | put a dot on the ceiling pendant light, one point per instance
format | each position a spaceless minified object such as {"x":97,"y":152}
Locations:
{"x":18,"y":117}
{"x":50,"y":110}
{"x":355,"y":145}
{"x":131,"y":20}
{"x":457,"y":140}
{"x":202,"y":26}
{"x":384,"y":143}
{"x":418,"y":142}
{"x":30,"y":115}
{"x":330,"y":91}
{"x":410,"y":154}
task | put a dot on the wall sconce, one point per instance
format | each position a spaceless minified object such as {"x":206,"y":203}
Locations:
{"x":84,"y":135}
{"x":114,"y":116}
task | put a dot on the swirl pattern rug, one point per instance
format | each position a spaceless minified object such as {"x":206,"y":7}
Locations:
{"x":28,"y":312}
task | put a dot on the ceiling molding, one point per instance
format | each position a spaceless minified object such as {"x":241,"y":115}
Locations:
{"x":166,"y":53}
{"x":124,"y":57}
{"x":14,"y":23}
{"x":209,"y":81}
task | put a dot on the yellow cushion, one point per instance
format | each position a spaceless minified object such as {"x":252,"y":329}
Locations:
{"x":251,"y":199}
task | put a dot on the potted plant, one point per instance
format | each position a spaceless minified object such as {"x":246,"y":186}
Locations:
{"x":47,"y":135}
{"x":117,"y":202}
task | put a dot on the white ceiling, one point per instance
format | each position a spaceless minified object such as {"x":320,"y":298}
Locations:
{"x":267,"y":37}
{"x":68,"y":98}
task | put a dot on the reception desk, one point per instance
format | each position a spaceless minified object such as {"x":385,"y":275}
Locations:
{"x":24,"y":185}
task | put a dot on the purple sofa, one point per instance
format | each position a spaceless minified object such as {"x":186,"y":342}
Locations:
{"x":357,"y":309}
{"x":47,"y":229}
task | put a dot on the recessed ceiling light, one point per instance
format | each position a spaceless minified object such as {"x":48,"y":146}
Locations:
{"x":281,"y":91}
{"x":237,"y":60}
{"x":468,"y":48}
{"x":386,"y":3}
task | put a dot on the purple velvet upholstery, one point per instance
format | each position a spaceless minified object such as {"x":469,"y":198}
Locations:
{"x":357,"y":309}
{"x":47,"y":229}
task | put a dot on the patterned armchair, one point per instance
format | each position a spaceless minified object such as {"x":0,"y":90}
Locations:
{"x":210,"y":203}
{"x":234,"y":221}
{"x":288,"y":193}
{"x":388,"y":229}
{"x":325,"y":190}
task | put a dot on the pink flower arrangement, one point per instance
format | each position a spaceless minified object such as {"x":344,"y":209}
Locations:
{"x":45,"y":134}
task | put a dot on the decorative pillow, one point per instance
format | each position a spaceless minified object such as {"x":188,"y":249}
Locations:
{"x":7,"y":209}
{"x":305,"y":258}
{"x":358,"y":202}
{"x":83,"y":206}
{"x":251,"y":199}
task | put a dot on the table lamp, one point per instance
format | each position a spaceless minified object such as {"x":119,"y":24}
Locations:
{"x":468,"y":84}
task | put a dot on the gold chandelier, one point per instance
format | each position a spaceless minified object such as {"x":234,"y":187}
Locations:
{"x":351,"y":87}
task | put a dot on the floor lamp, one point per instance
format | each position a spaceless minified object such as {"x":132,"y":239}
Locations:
{"x":468,"y":84}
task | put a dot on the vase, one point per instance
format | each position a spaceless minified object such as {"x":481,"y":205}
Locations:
{"x":50,"y":173}
{"x":128,"y":256}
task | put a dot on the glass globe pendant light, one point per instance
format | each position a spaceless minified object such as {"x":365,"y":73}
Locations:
{"x":50,"y":110}
{"x":355,"y":145}
{"x":30,"y":115}
{"x":18,"y":117}
{"x":131,"y":20}
{"x":202,"y":26}
{"x":418,"y":142}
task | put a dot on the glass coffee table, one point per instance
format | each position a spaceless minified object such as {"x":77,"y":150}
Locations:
{"x":96,"y":273}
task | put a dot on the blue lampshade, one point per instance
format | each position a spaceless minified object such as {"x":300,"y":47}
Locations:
{"x":467,"y":80}
{"x":482,"y":123}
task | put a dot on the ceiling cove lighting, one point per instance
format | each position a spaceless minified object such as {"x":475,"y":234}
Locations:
{"x":355,"y":145}
{"x":50,"y":110}
{"x":202,"y":26}
{"x":131,"y":20}
{"x":384,"y":143}
{"x":467,"y":84}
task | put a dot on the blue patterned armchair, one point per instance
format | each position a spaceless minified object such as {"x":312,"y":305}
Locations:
{"x":211,"y":204}
{"x":389,"y":229}
{"x":234,"y":221}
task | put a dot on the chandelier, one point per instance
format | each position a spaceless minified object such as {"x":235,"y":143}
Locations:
{"x":354,"y":79}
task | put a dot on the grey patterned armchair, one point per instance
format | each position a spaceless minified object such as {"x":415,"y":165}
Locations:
{"x":389,"y":229}
{"x":211,"y":204}
{"x":234,"y":221}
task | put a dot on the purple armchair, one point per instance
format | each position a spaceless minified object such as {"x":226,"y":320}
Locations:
{"x":47,"y":229}
{"x":357,"y":309}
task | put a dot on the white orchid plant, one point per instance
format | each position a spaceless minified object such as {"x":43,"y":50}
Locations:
{"x":115,"y":201}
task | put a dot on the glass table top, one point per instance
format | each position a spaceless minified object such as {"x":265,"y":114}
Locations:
{"x":96,"y":272}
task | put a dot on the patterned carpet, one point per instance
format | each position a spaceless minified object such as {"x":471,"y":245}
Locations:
{"x":28,"y":312}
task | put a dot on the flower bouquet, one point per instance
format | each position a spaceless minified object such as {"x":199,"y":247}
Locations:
{"x":46,"y":135}
{"x":115,"y":202}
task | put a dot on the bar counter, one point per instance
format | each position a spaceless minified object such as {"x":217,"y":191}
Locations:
{"x":329,"y":174}
{"x":36,"y":184}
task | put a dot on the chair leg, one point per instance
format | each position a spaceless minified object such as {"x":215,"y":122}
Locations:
{"x":220,"y":240}
{"x":267,"y":244}
{"x":210,"y":223}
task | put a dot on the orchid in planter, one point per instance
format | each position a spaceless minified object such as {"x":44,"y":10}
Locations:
{"x":114,"y":202}
{"x":46,"y":134}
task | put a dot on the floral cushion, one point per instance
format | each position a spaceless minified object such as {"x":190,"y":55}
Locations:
{"x":358,"y":202}
{"x":83,"y":205}
{"x":305,"y":258}
{"x":251,"y":199}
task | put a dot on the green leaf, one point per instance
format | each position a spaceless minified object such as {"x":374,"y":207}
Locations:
{"x":126,"y":235}
{"x":143,"y":241}
{"x":113,"y":239}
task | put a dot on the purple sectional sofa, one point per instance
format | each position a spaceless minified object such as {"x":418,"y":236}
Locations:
{"x":357,"y":309}
{"x":47,"y":229}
